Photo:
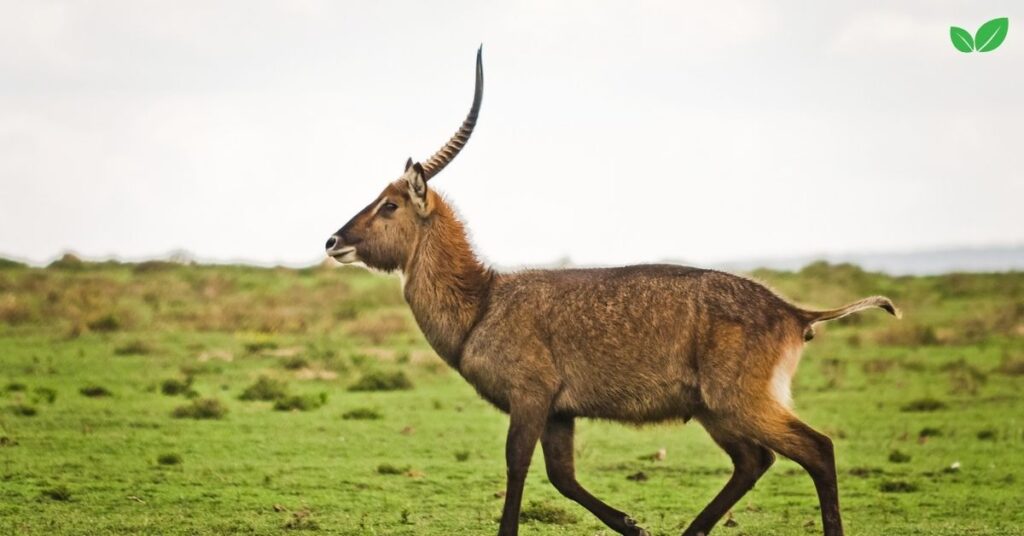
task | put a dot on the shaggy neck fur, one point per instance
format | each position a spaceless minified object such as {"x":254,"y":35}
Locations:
{"x":446,"y":286}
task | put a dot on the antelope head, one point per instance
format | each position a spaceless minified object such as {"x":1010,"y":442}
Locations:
{"x":384,"y":235}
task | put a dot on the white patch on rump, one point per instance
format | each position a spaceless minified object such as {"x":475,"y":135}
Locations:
{"x":782,"y":376}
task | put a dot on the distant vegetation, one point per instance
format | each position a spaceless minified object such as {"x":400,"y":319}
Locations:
{"x":182,"y":399}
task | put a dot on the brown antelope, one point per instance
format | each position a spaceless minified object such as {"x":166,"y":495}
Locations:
{"x":637,"y":344}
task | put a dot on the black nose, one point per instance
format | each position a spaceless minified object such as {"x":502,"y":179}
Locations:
{"x":331,"y":241}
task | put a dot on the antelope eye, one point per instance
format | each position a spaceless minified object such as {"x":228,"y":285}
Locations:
{"x":389,"y":207}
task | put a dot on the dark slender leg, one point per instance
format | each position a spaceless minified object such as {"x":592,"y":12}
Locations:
{"x":750,"y":461}
{"x":557,"y":443}
{"x":526,"y":422}
{"x":815,"y":453}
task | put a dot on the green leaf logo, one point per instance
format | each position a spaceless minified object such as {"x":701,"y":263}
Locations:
{"x":961,"y":39}
{"x":986,"y":39}
{"x":991,"y":34}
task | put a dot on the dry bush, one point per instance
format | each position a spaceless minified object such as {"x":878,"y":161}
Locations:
{"x":907,"y":334}
{"x":382,"y":381}
{"x":265,"y":389}
{"x":380,"y":328}
{"x":204,"y":408}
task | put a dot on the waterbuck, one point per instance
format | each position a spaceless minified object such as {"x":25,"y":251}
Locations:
{"x":636,"y":344}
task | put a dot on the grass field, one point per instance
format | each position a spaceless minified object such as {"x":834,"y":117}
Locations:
{"x":159,"y":398}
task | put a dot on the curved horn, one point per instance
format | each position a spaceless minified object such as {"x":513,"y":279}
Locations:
{"x":447,"y":153}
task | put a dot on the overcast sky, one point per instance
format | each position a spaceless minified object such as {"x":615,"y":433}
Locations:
{"x":610,"y":133}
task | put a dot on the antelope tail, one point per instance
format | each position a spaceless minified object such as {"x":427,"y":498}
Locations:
{"x":881,"y":302}
{"x":813,"y":317}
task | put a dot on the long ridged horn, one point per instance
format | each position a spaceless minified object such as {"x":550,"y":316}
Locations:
{"x":447,"y":153}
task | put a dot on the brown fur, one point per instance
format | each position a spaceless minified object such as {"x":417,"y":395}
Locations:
{"x":636,"y":344}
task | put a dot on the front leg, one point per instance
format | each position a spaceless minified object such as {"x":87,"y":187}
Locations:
{"x":527,"y":417}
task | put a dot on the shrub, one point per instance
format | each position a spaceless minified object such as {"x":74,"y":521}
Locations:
{"x":57,"y":493}
{"x":929,"y":432}
{"x":105,"y":323}
{"x":389,"y":469}
{"x":265,"y":388}
{"x":897,"y":456}
{"x":897,"y":486}
{"x":203,"y":408}
{"x":462,"y":455}
{"x":987,"y":435}
{"x":135,"y":347}
{"x":300,"y":402}
{"x":255,"y":347}
{"x":45,"y":394}
{"x":294,"y":362}
{"x":382,"y":381}
{"x":547,"y":514}
{"x":361,"y":414}
{"x":923,"y":404}
{"x":174,"y":386}
{"x":169,"y":459}
{"x":379,"y":329}
{"x":23,"y":410}
{"x":68,"y":261}
{"x":1011,"y":367}
{"x":94,"y":391}
{"x":14,"y":387}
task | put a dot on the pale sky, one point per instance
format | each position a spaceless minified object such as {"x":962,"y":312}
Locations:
{"x":610,"y":133}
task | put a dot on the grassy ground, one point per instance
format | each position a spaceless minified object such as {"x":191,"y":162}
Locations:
{"x":96,"y":359}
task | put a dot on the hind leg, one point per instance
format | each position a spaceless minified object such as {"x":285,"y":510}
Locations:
{"x":557,"y":443}
{"x":815,"y":453}
{"x":750,"y":461}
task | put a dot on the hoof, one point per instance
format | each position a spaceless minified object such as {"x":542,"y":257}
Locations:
{"x":637,"y":531}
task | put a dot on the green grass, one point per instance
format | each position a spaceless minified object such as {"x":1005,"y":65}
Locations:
{"x":927,"y":413}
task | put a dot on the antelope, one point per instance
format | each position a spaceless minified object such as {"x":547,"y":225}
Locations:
{"x":636,"y":344}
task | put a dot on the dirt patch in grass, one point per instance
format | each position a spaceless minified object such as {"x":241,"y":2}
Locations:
{"x":309,"y":373}
{"x":877,"y":367}
{"x":265,"y":388}
{"x":301,"y":520}
{"x":548,"y":514}
{"x":203,"y":408}
{"x":300,"y":402}
{"x":95,"y":391}
{"x":361,"y":414}
{"x":924,"y":405}
{"x":382,"y":381}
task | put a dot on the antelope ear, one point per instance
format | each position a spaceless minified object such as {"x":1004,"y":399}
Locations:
{"x":417,"y":188}
{"x":408,"y":164}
